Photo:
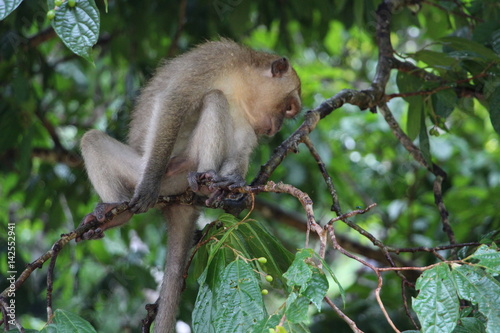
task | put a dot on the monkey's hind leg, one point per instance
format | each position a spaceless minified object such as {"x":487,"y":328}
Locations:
{"x":113,"y":167}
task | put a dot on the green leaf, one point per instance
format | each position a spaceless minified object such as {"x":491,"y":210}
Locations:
{"x":437,"y":304}
{"x":415,"y":116}
{"x":469,"y":48}
{"x":265,"y":324}
{"x":296,"y":308}
{"x":407,"y":84}
{"x":239,"y":300}
{"x":295,"y":327}
{"x":329,"y":270}
{"x":494,"y":101}
{"x":495,"y":36}
{"x":434,"y":59}
{"x":7,"y":7}
{"x":78,"y":26}
{"x":317,"y":288}
{"x":444,"y":102}
{"x":479,"y":287}
{"x":470,"y":325}
{"x":65,"y":321}
{"x":299,"y":272}
{"x":488,"y":258}
{"x":233,"y":304}
{"x":252,"y":240}
{"x":203,"y":310}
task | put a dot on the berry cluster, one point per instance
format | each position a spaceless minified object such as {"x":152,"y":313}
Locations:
{"x":51,"y":14}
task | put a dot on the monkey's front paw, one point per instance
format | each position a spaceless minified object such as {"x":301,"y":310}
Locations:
{"x":97,"y":233}
{"x":98,"y":214}
{"x":108,"y":215}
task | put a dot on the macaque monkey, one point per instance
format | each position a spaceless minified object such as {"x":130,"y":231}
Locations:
{"x":198,"y":118}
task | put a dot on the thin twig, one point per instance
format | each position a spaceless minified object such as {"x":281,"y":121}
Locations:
{"x":343,"y":316}
{"x":328,"y":179}
{"x":373,"y":268}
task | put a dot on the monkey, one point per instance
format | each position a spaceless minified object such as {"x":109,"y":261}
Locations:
{"x":199,"y":117}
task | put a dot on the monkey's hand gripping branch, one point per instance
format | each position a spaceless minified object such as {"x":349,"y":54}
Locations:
{"x":104,"y":216}
{"x":219,"y":187}
{"x":222,"y":193}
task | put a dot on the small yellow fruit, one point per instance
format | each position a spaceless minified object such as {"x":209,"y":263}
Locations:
{"x":262,"y":260}
{"x":51,"y":14}
{"x":264,"y":291}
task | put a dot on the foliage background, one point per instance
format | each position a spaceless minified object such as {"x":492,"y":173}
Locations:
{"x":50,"y":97}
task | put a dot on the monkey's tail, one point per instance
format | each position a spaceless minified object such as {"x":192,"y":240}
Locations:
{"x":181,"y":222}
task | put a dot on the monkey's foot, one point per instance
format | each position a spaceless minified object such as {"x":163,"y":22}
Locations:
{"x":145,"y":197}
{"x":219,"y":187}
{"x":99,"y":214}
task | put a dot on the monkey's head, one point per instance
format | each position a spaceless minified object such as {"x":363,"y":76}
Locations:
{"x":276,"y":97}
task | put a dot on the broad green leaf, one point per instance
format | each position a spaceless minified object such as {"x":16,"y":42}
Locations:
{"x":239,"y":300}
{"x":470,"y":47}
{"x":252,"y":240}
{"x":434,"y":59}
{"x":299,"y":272}
{"x":444,"y":102}
{"x":230,"y":223}
{"x":294,"y":328}
{"x":7,"y":7}
{"x":407,"y":84}
{"x":415,"y":116}
{"x":494,"y":101}
{"x":470,"y":325}
{"x":437,"y":304}
{"x":490,"y":237}
{"x":265,"y":324}
{"x":316,"y":288}
{"x":479,"y":287}
{"x":495,"y":36}
{"x":488,"y":258}
{"x":203,"y":310}
{"x":66,"y":321}
{"x":78,"y":26}
{"x":329,"y":270}
{"x":296,"y":308}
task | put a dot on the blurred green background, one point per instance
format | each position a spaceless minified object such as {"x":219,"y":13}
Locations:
{"x":49,"y":97}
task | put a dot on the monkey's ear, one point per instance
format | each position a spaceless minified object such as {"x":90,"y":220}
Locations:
{"x":279,"y":67}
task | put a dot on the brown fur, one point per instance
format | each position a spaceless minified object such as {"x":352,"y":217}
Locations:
{"x":202,"y":112}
